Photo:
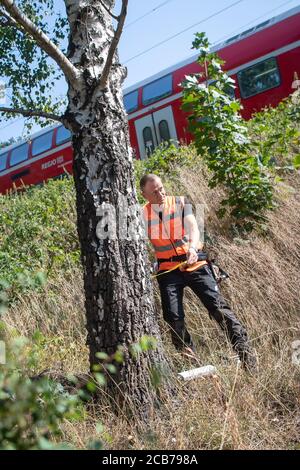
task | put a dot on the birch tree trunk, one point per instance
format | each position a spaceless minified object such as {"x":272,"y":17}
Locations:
{"x":119,"y":305}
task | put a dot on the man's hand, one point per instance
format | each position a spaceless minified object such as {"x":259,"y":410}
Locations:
{"x":192,"y":256}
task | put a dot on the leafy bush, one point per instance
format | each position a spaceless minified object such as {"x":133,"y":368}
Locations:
{"x":38,"y":233}
{"x":222,"y":139}
{"x":32,"y":411}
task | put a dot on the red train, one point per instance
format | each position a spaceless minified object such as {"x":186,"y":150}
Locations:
{"x":264,"y":61}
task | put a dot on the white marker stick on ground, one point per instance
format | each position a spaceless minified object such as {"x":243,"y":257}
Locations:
{"x":195,"y":373}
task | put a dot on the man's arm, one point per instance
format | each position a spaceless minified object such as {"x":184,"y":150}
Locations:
{"x":192,"y":231}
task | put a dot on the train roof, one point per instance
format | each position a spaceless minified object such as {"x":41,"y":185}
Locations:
{"x":249,"y":32}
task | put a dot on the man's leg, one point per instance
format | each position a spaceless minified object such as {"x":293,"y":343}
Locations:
{"x":206,"y":288}
{"x":171,"y":287}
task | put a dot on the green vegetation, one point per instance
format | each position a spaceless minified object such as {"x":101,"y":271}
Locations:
{"x":29,"y":74}
{"x":275,"y":135}
{"x":234,"y":157}
{"x":38,"y":234}
{"x":41,"y":297}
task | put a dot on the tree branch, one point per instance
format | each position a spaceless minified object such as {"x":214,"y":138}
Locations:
{"x":117,"y":18}
{"x":42,"y":40}
{"x":114,"y":44}
{"x":31,"y":113}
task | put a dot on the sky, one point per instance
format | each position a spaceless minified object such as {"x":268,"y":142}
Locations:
{"x":150,"y":22}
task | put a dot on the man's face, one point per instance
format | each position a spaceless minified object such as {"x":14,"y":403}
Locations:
{"x":154,"y":192}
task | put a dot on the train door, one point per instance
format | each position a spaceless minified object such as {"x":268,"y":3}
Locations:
{"x":153,"y":129}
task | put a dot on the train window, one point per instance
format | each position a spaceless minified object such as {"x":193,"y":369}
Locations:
{"x":164,"y":132}
{"x":63,"y":135}
{"x":131,"y":101}
{"x":3,"y":159}
{"x":19,"y":154}
{"x":42,"y":143}
{"x":148,"y":140}
{"x":259,"y":78}
{"x":157,"y":90}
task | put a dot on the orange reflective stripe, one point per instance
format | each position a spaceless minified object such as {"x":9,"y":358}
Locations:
{"x":170,"y":227}
{"x":167,"y":234}
{"x":165,"y":266}
{"x":162,"y":248}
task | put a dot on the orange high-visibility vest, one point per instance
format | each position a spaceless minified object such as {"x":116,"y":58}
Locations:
{"x":165,"y":227}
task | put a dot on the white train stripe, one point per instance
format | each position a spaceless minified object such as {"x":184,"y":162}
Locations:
{"x":29,"y":161}
{"x":276,"y":53}
{"x":158,"y":104}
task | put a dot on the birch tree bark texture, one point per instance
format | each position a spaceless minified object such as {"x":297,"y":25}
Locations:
{"x":118,"y":291}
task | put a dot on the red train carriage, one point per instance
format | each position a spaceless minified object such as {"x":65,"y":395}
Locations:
{"x":263,"y":60}
{"x":47,"y":155}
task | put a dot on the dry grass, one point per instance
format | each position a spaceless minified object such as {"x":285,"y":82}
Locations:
{"x":58,"y":314}
{"x":232,"y":410}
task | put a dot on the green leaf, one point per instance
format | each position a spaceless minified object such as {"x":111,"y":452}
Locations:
{"x":102,"y":355}
{"x":111,"y":368}
{"x":296,"y":161}
{"x":148,"y":343}
{"x":100,"y":379}
{"x":91,"y":386}
{"x":119,"y":356}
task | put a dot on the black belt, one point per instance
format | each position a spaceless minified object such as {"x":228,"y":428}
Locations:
{"x":202,"y":256}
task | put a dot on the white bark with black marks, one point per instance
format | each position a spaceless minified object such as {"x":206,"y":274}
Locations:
{"x":119,"y":299}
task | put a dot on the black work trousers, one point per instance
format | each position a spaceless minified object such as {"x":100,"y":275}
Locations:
{"x":203,"y":283}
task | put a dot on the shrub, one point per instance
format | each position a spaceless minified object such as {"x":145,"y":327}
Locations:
{"x":38,"y":234}
{"x":222,"y":139}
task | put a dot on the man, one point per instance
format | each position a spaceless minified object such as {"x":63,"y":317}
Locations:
{"x":174,"y":234}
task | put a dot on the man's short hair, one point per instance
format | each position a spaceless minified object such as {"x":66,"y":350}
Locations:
{"x":148,"y":177}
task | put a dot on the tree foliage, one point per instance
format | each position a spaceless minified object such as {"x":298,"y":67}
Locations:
{"x":28,"y":72}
